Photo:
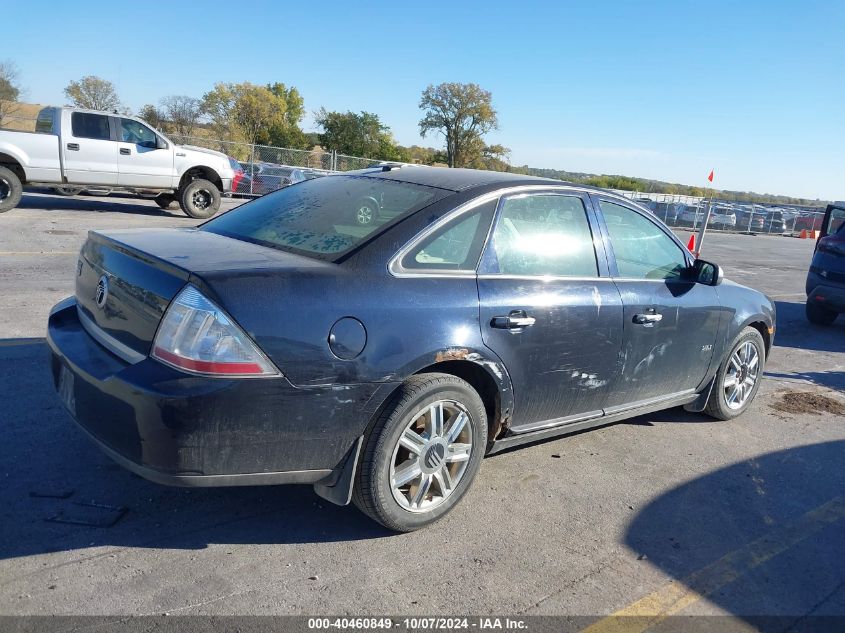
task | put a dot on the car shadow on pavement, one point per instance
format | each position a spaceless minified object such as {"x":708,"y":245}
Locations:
{"x":84,"y":203}
{"x":761,"y":536}
{"x":794,"y":330}
{"x":50,"y":471}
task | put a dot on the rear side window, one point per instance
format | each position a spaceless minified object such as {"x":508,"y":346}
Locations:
{"x":544,"y":234}
{"x":44,"y":123}
{"x":455,"y":246}
{"x":86,"y":125}
{"x":641,"y":248}
{"x":324,"y":218}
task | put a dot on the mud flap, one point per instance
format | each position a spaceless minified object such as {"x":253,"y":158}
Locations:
{"x":337,"y":487}
{"x":698,"y":405}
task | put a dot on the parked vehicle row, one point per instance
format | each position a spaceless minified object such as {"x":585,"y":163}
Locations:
{"x":261,"y":178}
{"x":733,"y":217}
{"x":73,"y":148}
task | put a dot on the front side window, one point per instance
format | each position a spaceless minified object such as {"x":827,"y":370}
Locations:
{"x":544,"y":234}
{"x":642,"y":249}
{"x":137,"y":133}
{"x":87,"y":125}
{"x":456,"y":245}
{"x":319,"y":218}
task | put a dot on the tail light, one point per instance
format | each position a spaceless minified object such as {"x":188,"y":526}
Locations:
{"x":198,"y":337}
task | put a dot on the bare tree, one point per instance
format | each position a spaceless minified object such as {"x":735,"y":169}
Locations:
{"x":153,"y":116}
{"x":182,"y":113}
{"x":10,"y":90}
{"x":93,"y":93}
{"x":462,"y":113}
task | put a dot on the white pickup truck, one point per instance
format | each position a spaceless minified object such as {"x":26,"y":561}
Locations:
{"x":90,"y":149}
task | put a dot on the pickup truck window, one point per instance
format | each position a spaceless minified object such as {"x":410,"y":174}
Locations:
{"x":86,"y":125}
{"x":138,"y":133}
{"x":44,"y":123}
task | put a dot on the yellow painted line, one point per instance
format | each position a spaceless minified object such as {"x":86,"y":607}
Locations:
{"x":13,"y":253}
{"x":20,"y":342}
{"x":678,"y":595}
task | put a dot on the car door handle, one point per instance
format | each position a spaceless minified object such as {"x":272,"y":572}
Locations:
{"x":647,"y":319}
{"x":515,"y":320}
{"x":125,"y":151}
{"x":73,"y":147}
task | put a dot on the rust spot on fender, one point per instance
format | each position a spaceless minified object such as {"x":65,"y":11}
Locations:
{"x":455,"y":353}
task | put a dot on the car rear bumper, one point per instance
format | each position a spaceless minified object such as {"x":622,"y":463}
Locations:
{"x":178,"y":429}
{"x":826,"y":293}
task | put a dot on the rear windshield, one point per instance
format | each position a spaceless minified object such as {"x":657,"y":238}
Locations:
{"x":326,"y":217}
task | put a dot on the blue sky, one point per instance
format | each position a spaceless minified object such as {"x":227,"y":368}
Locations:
{"x":663,"y":90}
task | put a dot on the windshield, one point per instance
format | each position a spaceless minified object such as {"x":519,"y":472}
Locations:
{"x":326,"y":217}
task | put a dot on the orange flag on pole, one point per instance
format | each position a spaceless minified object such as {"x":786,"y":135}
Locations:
{"x":710,"y":177}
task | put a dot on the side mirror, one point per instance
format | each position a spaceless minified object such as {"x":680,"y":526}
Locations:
{"x":161,"y":143}
{"x":706,"y":273}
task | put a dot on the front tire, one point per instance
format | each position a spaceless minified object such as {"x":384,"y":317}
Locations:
{"x":819,"y":315}
{"x":199,"y":199}
{"x":423,"y":452}
{"x":11,"y":189}
{"x":738,"y":378}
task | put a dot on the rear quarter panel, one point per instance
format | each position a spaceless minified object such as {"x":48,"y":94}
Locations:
{"x":37,"y":153}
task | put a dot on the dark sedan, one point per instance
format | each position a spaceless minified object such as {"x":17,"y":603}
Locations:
{"x":284,"y":342}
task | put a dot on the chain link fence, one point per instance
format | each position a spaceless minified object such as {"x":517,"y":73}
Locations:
{"x":734,"y":217}
{"x":265,"y":168}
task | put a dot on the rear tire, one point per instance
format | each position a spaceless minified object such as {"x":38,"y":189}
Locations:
{"x":819,"y":315}
{"x":738,"y":379}
{"x":422,"y":453}
{"x":165,"y":200}
{"x":11,"y":189}
{"x":199,"y":199}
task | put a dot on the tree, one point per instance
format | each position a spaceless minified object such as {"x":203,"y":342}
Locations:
{"x":10,"y":90}
{"x":93,"y":93}
{"x":480,"y":156}
{"x":182,"y":113}
{"x":287,"y":132}
{"x":256,"y":114}
{"x":153,"y":116}
{"x":357,"y":134}
{"x":462,"y":113}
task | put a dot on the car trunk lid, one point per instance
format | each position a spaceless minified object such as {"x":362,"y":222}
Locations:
{"x":126,"y":279}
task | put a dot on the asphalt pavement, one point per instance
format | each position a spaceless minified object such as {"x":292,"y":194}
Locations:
{"x":671,"y":513}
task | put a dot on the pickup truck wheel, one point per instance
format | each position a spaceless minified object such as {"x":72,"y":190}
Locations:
{"x":423,"y":452}
{"x":11,"y":189}
{"x":165,"y":200}
{"x":68,"y":191}
{"x":365,"y":213}
{"x":199,"y":199}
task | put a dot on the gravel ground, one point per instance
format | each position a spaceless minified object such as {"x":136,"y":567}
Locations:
{"x":741,"y":518}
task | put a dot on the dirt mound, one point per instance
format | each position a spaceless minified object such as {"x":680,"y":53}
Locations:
{"x":799,"y":402}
